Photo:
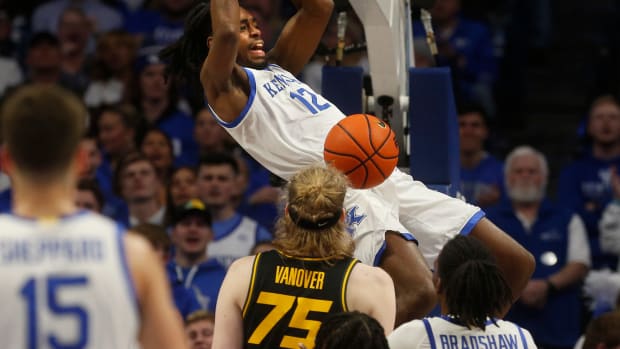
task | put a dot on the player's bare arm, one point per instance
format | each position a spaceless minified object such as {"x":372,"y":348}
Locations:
{"x":301,"y":34}
{"x":370,"y":290}
{"x":220,"y":75}
{"x":516,"y":262}
{"x":161,"y":325}
{"x":415,"y":293}
{"x":228,"y":331}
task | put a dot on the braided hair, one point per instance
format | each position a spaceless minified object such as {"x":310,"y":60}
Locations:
{"x":184,"y":58}
{"x":474,"y":287}
{"x":350,"y":330}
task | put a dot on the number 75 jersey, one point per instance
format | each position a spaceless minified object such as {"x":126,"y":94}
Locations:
{"x":289,"y":297}
{"x":65,"y":284}
{"x":284,"y":123}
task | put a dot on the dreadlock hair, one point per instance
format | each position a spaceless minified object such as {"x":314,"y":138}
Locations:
{"x":184,"y":58}
{"x":474,"y":287}
{"x":350,"y":330}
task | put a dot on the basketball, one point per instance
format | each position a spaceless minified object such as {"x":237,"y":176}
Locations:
{"x":364,"y":148}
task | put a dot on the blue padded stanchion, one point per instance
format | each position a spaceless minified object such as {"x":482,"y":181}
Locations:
{"x":433,"y":129}
{"x":343,"y":87}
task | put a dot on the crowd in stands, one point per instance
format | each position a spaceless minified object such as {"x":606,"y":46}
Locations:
{"x":159,"y":163}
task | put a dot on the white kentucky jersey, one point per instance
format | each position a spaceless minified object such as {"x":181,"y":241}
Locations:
{"x":235,"y":244}
{"x":284,"y":123}
{"x":443,"y":332}
{"x":65,"y":284}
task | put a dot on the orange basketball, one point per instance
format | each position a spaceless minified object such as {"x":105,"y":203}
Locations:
{"x":362,"y":147}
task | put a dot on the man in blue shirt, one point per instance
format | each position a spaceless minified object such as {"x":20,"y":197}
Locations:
{"x":550,"y":305}
{"x":191,"y":267}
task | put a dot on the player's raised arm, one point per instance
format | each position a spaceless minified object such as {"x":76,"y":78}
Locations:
{"x":161,"y":325}
{"x":217,"y":70}
{"x":514,"y":260}
{"x":301,"y":34}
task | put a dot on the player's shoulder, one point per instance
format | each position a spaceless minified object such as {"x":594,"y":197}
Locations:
{"x":366,"y":274}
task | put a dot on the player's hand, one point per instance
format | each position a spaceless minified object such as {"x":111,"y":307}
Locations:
{"x":535,"y":293}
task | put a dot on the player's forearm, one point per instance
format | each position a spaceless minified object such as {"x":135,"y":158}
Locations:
{"x":319,"y":7}
{"x":225,"y":18}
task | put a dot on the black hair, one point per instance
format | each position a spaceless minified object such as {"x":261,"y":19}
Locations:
{"x":474,"y":287}
{"x":91,"y":185}
{"x":470,"y":107}
{"x":220,"y":159}
{"x":185,"y":57}
{"x":350,"y":330}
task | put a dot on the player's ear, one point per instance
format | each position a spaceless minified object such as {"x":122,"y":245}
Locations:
{"x":209,"y":40}
{"x":343,"y":215}
{"x":286,"y":210}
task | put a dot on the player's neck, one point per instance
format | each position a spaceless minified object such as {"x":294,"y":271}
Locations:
{"x":43,"y":200}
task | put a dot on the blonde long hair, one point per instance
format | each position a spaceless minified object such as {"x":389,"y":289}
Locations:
{"x":315,"y":194}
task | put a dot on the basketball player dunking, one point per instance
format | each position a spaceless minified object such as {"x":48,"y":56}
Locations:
{"x":282,"y":123}
{"x":70,"y":279}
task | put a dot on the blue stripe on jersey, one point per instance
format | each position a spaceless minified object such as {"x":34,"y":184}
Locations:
{"x":429,"y":333}
{"x":245,"y":110}
{"x":120,"y":232}
{"x":472,"y":222}
{"x":522,"y":336}
{"x":407,"y":236}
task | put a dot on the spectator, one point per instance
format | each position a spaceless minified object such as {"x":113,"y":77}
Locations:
{"x":89,"y":196}
{"x":102,"y":17}
{"x":184,"y":299}
{"x":584,"y":185}
{"x":74,"y":34}
{"x":199,"y":329}
{"x":610,"y":222}
{"x":117,"y":129}
{"x":557,"y":237}
{"x":234,"y":234}
{"x":473,"y":294}
{"x":182,"y":187}
{"x":157,"y":147}
{"x":466,"y":47}
{"x":603,"y":332}
{"x":210,"y":136}
{"x":481,"y":173}
{"x":136,"y":181}
{"x":112,"y":76}
{"x":160,"y":27}
{"x":191,"y":267}
{"x":157,"y":100}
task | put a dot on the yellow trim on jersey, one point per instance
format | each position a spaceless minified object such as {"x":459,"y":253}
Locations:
{"x":251,"y":287}
{"x":306,"y":258}
{"x":345,"y":282}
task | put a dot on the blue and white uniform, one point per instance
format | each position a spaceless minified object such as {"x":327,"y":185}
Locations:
{"x":65,"y":284}
{"x":284,"y":125}
{"x":443,"y":332}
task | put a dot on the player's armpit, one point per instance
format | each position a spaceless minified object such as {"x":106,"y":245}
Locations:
{"x":415,"y":293}
{"x":161,"y":324}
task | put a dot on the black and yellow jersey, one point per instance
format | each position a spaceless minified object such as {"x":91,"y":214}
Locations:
{"x":289,"y":297}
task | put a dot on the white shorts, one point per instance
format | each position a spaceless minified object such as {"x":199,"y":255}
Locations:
{"x":409,"y":207}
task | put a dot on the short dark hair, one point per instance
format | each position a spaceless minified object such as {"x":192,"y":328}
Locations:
{"x":42,"y":126}
{"x":123,"y":163}
{"x":350,"y":330}
{"x":473,"y":108}
{"x":91,"y":185}
{"x":219,"y":159}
